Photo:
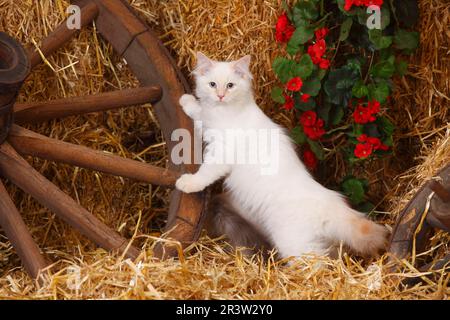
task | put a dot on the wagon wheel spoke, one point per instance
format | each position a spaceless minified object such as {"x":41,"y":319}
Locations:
{"x":17,"y":232}
{"x":17,"y":170}
{"x":62,"y":34}
{"x":27,"y":142}
{"x":40,"y":111}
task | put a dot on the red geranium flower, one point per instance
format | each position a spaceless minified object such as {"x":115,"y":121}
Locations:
{"x":321,"y":33}
{"x":374,"y":106}
{"x":295,"y":84}
{"x":362,"y":138}
{"x":309,"y":158}
{"x":363,"y":150}
{"x":288,"y":102}
{"x":316,"y":131}
{"x":305,"y":97}
{"x":324,"y":64}
{"x":375,"y":142}
{"x":308,"y":118}
{"x":363,"y":115}
{"x":283,"y":29}
{"x":349,"y":3}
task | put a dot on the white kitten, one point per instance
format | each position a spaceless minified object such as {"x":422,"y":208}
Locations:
{"x":296,"y":214}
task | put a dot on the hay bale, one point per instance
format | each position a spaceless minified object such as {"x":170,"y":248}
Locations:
{"x":224,"y":30}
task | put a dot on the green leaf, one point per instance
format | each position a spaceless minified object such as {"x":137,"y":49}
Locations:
{"x":360,"y":89}
{"x":357,"y":130}
{"x":355,"y":64}
{"x":408,"y":40}
{"x":366,"y":207}
{"x":345,"y":29}
{"x":385,"y":125}
{"x":300,"y":36}
{"x":304,"y":68}
{"x":383,"y":69}
{"x":336,"y":114}
{"x":379,"y":41}
{"x":304,"y":106}
{"x":283,"y":68}
{"x":354,"y":189}
{"x":312,"y":87}
{"x":305,"y":10}
{"x":371,"y":129}
{"x":401,"y":67}
{"x":379,"y":91}
{"x":323,"y":111}
{"x":277,"y":95}
{"x":317,"y":149}
{"x":321,"y":73}
{"x":298,"y":135}
{"x":339,"y":84}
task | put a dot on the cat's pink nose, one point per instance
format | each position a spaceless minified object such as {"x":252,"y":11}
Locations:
{"x":220,"y":97}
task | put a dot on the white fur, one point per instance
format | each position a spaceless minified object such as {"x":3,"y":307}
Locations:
{"x":294,"y":211}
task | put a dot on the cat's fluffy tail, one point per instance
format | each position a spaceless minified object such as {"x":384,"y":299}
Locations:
{"x":356,"y":231}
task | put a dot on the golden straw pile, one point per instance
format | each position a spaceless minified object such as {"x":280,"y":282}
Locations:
{"x":222,"y":29}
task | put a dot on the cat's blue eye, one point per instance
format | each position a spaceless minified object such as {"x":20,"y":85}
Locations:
{"x":212,"y":84}
{"x":230,"y":85}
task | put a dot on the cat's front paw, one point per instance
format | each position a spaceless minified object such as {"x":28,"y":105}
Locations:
{"x":189,"y":104}
{"x":187,"y":99}
{"x":189,"y":183}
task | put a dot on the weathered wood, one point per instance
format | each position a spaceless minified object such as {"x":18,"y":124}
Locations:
{"x":32,"y":112}
{"x":62,"y":34}
{"x":440,"y":191}
{"x":439,"y":215}
{"x":27,"y":142}
{"x":14,"y":68}
{"x":151,"y":63}
{"x":17,"y":232}
{"x":16,"y":169}
{"x":442,"y":264}
{"x":409,"y":220}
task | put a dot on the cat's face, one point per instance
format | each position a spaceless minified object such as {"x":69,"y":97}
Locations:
{"x":222,"y":83}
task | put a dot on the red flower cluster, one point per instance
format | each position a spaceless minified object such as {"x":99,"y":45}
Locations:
{"x":312,"y":125}
{"x":309,"y":159}
{"x":295,"y":84}
{"x":288,"y":102}
{"x":318,"y":49}
{"x":349,"y":3}
{"x":305,"y":97}
{"x":364,"y":115}
{"x":283,"y":29}
{"x":367,"y":145}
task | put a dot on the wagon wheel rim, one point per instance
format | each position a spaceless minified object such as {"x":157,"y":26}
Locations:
{"x":428,"y":210}
{"x":161,"y":84}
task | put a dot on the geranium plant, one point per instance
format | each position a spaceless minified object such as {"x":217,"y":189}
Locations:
{"x":339,"y":58}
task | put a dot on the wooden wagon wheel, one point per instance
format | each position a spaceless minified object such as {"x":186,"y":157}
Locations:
{"x":151,"y":64}
{"x":428,"y":209}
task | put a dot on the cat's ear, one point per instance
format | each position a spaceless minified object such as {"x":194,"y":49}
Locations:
{"x":203,"y":64}
{"x":242,"y":67}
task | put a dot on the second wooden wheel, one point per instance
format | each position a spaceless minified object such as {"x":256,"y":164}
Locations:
{"x":162,"y":84}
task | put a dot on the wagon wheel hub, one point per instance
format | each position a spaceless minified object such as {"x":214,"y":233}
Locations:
{"x":162,"y":85}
